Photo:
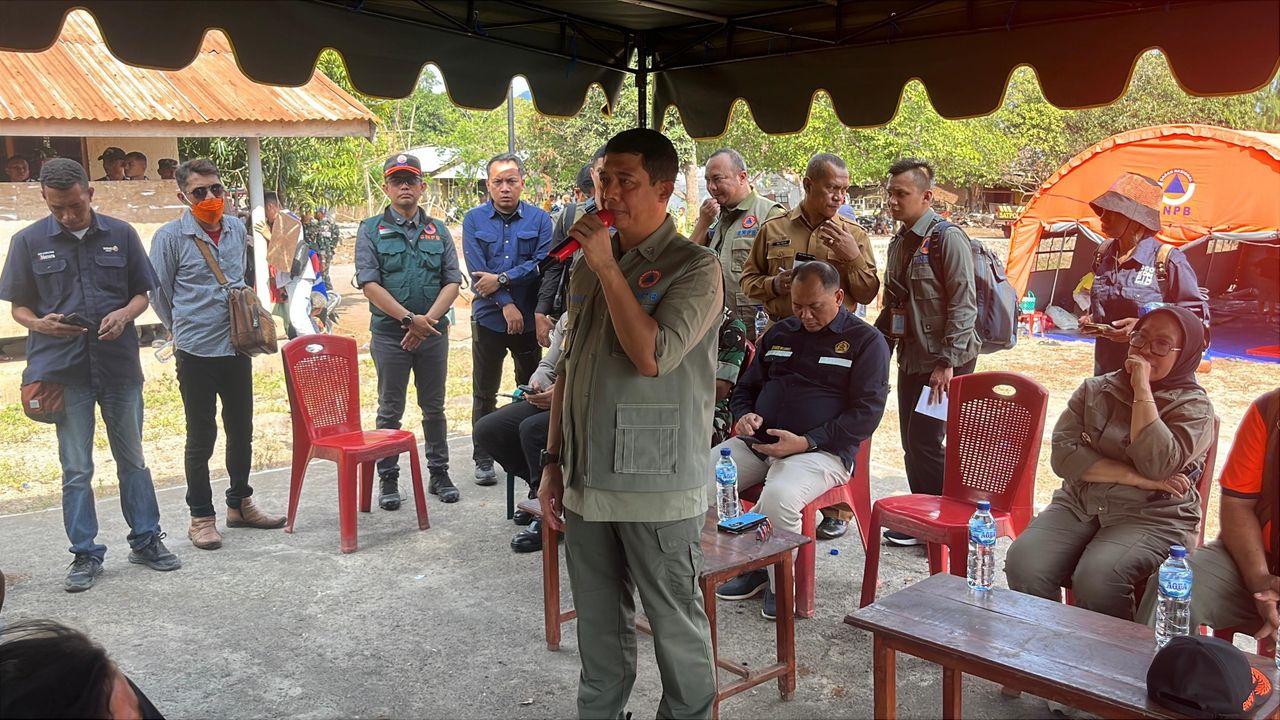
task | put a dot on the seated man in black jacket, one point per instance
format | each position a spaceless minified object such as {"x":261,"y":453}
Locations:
{"x":815,"y":392}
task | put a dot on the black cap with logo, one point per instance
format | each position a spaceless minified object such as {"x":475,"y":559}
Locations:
{"x":1205,"y":677}
{"x":112,"y":153}
{"x":402,"y":162}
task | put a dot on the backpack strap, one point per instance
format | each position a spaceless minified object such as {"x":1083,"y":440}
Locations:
{"x":1098,"y":253}
{"x":935,"y":241}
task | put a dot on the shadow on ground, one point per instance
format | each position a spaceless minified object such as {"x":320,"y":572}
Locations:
{"x":445,"y":623}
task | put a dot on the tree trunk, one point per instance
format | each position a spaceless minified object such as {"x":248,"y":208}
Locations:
{"x":692,"y":199}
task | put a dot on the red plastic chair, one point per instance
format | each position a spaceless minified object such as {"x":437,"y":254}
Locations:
{"x":856,"y":493}
{"x":993,"y":445}
{"x":323,"y":380}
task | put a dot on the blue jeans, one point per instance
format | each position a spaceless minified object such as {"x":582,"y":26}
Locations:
{"x":122,"y":415}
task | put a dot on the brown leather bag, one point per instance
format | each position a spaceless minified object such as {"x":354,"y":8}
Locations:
{"x":43,"y":402}
{"x":253,"y":331}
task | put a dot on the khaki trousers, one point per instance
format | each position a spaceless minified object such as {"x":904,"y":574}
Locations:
{"x":608,"y":562}
{"x":1219,"y":598}
{"x":1101,"y":562}
{"x":790,"y":482}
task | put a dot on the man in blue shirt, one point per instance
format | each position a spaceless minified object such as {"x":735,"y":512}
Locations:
{"x":814,"y":394}
{"x":502,"y":240}
{"x":77,"y":262}
{"x":193,"y":306}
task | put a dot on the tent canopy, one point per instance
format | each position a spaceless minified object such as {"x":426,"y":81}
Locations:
{"x":702,"y":54}
{"x":1217,"y":182}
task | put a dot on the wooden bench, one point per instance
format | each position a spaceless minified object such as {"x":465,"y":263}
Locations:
{"x":1083,"y":659}
{"x":725,"y":556}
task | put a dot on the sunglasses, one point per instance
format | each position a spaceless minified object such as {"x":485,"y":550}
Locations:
{"x":200,"y":193}
{"x":1158,"y":347}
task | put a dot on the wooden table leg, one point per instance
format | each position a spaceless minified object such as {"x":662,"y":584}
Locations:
{"x":886,"y":680}
{"x":951,"y":687}
{"x":784,"y":582}
{"x":551,"y":585}
{"x":709,"y":605}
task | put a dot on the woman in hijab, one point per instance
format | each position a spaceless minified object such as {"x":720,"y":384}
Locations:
{"x":1129,"y":448}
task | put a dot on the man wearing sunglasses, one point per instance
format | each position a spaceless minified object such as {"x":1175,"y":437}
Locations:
{"x":193,"y":308}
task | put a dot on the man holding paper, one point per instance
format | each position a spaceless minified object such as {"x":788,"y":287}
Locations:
{"x":815,"y":392}
{"x":928,"y":317}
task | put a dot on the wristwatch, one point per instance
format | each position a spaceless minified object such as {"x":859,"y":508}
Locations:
{"x":503,"y":279}
{"x":547,"y":458}
{"x":813,"y":444}
{"x":407,"y":321}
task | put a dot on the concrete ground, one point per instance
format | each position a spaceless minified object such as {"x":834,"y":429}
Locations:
{"x":445,"y":623}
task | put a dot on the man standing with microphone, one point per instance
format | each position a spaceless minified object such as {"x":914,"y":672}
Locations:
{"x":626,"y":456}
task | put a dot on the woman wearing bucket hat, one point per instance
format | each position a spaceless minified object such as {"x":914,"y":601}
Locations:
{"x":1129,"y":448}
{"x":1133,"y":269}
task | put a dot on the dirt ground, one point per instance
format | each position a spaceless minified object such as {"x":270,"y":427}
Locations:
{"x":30,"y":474}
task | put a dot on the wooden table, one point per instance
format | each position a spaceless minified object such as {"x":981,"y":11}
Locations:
{"x":1076,"y":657}
{"x":725,"y":556}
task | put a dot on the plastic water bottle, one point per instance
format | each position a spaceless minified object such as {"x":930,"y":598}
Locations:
{"x":165,"y":352}
{"x":762,"y":321}
{"x":982,"y":547}
{"x":1173,"y":614}
{"x":727,"y":505}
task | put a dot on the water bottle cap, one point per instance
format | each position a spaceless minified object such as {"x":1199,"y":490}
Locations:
{"x":725,"y":452}
{"x":984,"y":505}
{"x":759,"y":307}
{"x":1177,"y":551}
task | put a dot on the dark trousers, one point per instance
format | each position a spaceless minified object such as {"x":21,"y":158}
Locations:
{"x":203,"y":381}
{"x":429,"y":364}
{"x":488,"y":351}
{"x":922,"y":436}
{"x":514,"y":435}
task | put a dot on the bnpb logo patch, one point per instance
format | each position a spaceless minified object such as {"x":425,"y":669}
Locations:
{"x":749,"y":221}
{"x":649,"y":279}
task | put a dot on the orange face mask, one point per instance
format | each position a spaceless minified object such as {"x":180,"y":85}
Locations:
{"x":209,"y":210}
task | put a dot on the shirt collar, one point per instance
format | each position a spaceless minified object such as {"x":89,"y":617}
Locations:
{"x":923,"y":225}
{"x":392,"y":217}
{"x":653,"y":245}
{"x":54,"y":228}
{"x":1144,"y":253}
{"x":517,"y":214}
{"x":840,"y":322}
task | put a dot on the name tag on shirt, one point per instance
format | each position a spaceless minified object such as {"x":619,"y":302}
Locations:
{"x":837,"y":361}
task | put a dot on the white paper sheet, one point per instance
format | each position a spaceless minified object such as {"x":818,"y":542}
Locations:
{"x":938,"y":412}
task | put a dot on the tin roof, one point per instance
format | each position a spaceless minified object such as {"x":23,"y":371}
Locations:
{"x":77,"y":87}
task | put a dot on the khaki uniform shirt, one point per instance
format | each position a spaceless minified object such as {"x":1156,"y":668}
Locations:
{"x":775,"y":249}
{"x":731,"y":239}
{"x":1095,"y":425}
{"x":634,"y":448}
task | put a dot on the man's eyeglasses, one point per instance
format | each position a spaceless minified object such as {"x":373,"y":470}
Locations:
{"x":200,"y":193}
{"x":1159,"y":347}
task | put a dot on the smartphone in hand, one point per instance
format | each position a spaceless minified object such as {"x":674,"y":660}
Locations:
{"x":1096,"y":327}
{"x":77,"y":320}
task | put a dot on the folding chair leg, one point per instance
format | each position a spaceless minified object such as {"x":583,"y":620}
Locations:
{"x":419,"y":495}
{"x":871,"y":568}
{"x":937,"y":560}
{"x":959,"y":557}
{"x":860,"y":502}
{"x":347,"y":504}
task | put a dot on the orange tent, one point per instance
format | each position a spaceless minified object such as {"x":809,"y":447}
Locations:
{"x":1219,"y":185}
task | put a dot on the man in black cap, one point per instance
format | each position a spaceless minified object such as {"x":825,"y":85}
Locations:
{"x":407,"y":267}
{"x":113,"y":163}
{"x":166,"y":167}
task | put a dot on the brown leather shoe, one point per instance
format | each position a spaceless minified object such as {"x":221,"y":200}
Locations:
{"x":250,"y":515}
{"x":204,"y":533}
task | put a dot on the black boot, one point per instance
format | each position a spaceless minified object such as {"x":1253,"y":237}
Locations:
{"x":529,"y":539}
{"x":389,"y":494}
{"x":442,"y":486}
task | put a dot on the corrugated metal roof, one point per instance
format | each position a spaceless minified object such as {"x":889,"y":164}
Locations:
{"x":78,"y":79}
